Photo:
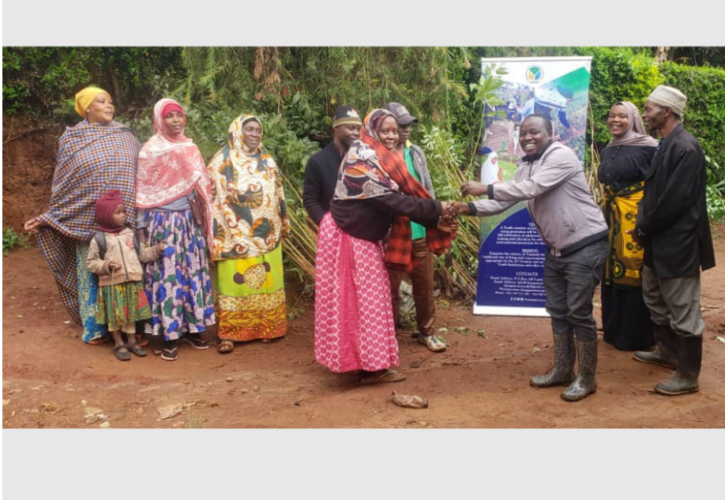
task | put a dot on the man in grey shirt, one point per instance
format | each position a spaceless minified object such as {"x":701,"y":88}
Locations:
{"x":551,"y":181}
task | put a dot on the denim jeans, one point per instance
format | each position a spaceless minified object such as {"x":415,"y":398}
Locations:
{"x":570,"y":283}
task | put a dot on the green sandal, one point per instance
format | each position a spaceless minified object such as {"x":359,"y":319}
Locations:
{"x":432,"y":342}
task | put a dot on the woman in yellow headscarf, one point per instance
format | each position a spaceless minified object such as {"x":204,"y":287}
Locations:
{"x":95,"y":156}
{"x":250,"y":219}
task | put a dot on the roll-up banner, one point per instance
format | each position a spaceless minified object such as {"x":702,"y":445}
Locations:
{"x":511,"y":256}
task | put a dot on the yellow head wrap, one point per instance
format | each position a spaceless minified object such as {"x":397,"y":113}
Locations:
{"x":85,"y":97}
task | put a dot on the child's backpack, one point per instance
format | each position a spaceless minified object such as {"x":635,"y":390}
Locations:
{"x":100,"y":238}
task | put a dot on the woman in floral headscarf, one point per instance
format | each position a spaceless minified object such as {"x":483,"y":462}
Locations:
{"x":625,"y":160}
{"x":173,"y":196}
{"x":249,"y":222}
{"x":375,"y":195}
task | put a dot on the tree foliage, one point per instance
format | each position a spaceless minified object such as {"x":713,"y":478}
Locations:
{"x":295,"y":91}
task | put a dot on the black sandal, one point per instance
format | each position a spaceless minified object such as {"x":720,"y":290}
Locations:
{"x":137,"y":350}
{"x":169,"y":353}
{"x":195,"y":341}
{"x":124,"y":355}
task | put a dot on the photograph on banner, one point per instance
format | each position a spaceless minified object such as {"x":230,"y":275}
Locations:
{"x":511,"y":255}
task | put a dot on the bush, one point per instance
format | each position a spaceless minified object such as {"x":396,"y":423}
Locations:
{"x":715,"y":204}
{"x":12,"y":240}
{"x":618,"y":74}
{"x":705,"y":110}
{"x":42,"y":81}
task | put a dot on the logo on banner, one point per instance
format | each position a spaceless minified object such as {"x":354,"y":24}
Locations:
{"x":534,"y":74}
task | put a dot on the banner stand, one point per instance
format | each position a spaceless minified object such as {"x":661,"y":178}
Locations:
{"x":511,"y":255}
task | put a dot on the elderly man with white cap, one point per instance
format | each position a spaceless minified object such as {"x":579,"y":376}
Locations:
{"x":673,"y":227}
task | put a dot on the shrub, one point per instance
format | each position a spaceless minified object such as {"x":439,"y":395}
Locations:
{"x":12,"y":240}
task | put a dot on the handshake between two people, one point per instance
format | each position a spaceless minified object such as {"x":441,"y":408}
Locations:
{"x":452,"y":209}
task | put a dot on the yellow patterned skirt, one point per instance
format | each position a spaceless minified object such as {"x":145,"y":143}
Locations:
{"x":251,"y":298}
{"x":624,"y":265}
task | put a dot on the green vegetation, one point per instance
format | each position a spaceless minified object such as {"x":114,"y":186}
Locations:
{"x":296,"y":89}
{"x":12,"y":240}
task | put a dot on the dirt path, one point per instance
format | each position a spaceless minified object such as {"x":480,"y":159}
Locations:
{"x":51,"y":377}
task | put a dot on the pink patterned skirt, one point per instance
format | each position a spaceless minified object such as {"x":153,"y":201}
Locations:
{"x":354,"y":327}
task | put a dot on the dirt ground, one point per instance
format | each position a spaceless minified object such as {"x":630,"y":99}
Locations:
{"x":52,"y":379}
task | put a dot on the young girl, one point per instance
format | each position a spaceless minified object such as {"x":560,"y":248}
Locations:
{"x":113,"y":256}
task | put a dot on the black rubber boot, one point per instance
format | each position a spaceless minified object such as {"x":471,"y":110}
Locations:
{"x":562,"y":372}
{"x":684,"y":381}
{"x":586,"y":382}
{"x":665,"y":352}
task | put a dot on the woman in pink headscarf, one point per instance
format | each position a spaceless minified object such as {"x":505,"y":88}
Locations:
{"x":172,"y":195}
{"x":624,"y":164}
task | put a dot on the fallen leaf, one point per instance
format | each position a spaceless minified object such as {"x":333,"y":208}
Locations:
{"x":90,"y":410}
{"x":462,"y":330}
{"x":94,"y":415}
{"x":50,"y":407}
{"x":170,"y":411}
{"x":481,"y":333}
{"x":443,"y":330}
{"x":720,"y":339}
{"x":535,"y":350}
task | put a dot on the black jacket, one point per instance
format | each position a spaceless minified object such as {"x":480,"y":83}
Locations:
{"x":320,"y":181}
{"x":370,"y":219}
{"x":673,"y":211}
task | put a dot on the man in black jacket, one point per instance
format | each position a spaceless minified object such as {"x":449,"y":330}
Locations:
{"x":673,"y":227}
{"x":323,"y":167}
